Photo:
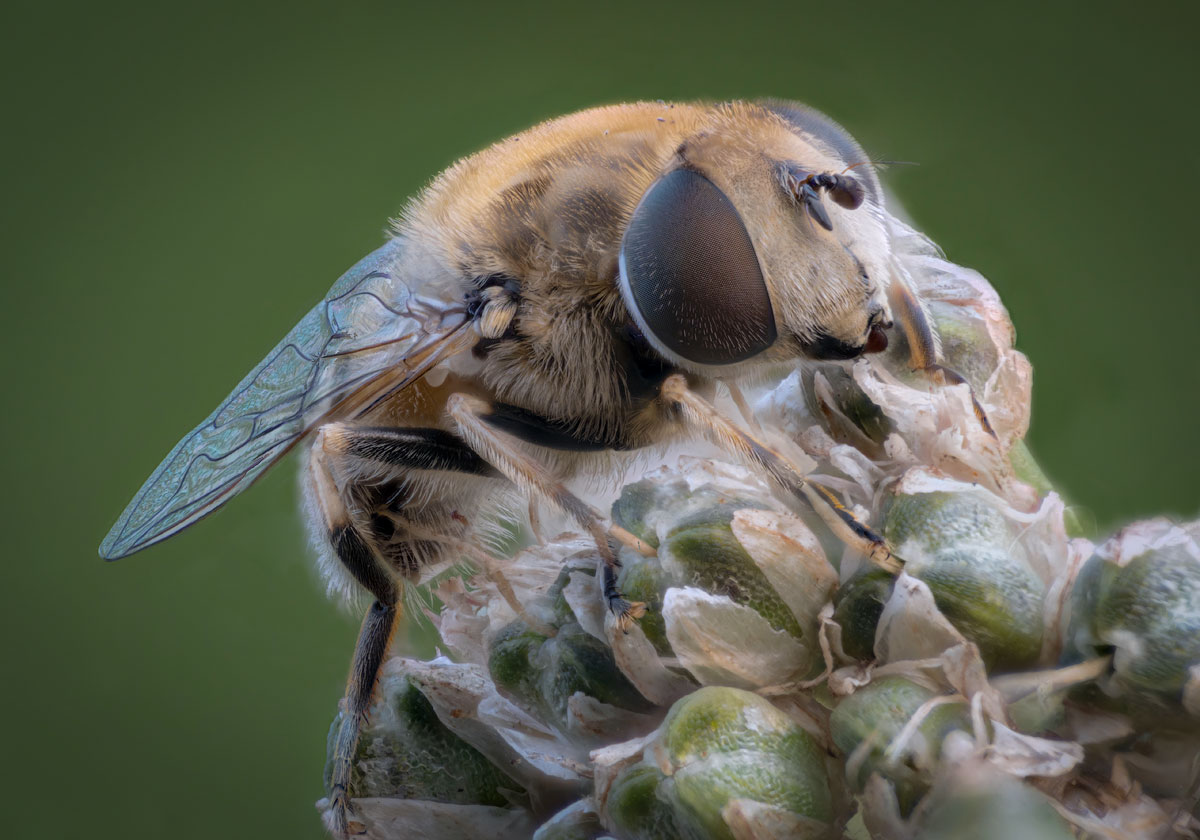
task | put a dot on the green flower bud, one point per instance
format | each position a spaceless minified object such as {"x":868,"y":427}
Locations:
{"x":724,"y":744}
{"x":639,"y":499}
{"x":1139,"y":597}
{"x":697,"y":547}
{"x":636,"y":809}
{"x":967,"y":348}
{"x":708,"y":556}
{"x":933,"y":521}
{"x":542,"y":673}
{"x":404,"y":751}
{"x":857,"y":607}
{"x":510,"y":661}
{"x":1028,"y":469}
{"x":1001,"y":809}
{"x":993,"y":599}
{"x":876,"y":714}
{"x":965,"y":551}
{"x":848,"y":398}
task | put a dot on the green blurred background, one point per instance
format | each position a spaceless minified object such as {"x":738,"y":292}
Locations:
{"x":180,"y":185}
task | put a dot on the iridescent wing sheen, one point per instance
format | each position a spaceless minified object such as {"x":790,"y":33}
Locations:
{"x":370,"y":337}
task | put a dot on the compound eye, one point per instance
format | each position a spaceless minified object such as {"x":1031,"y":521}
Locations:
{"x":690,"y":276}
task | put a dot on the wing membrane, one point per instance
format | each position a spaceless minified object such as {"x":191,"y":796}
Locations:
{"x":370,"y":335}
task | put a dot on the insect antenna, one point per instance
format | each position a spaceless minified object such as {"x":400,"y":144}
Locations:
{"x":879,"y":163}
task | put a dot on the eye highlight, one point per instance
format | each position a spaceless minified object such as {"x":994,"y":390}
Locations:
{"x":690,"y":275}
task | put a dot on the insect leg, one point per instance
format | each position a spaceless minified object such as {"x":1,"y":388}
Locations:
{"x":354,"y":548}
{"x":468,"y":414}
{"x":699,"y":413}
{"x":382,"y":497}
{"x":923,"y":345}
{"x":401,"y":450}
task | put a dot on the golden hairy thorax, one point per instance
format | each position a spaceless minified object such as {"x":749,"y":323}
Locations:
{"x":547,"y":208}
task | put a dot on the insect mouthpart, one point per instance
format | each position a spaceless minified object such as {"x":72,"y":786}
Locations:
{"x":877,"y":340}
{"x":877,"y":327}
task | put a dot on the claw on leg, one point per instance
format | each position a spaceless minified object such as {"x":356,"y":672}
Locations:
{"x":949,"y":376}
{"x":627,"y":612}
{"x":923,"y":345}
{"x":339,"y":821}
{"x":849,"y":530}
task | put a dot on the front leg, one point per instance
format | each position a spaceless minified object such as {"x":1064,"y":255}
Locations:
{"x":923,"y":349}
{"x":701,"y":415}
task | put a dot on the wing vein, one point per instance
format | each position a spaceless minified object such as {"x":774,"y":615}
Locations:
{"x":370,"y":327}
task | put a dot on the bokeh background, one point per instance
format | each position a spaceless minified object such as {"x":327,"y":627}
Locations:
{"x":181,"y":184}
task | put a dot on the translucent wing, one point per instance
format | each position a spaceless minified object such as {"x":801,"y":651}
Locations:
{"x":369,"y":337}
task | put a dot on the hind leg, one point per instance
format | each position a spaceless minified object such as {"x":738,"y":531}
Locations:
{"x":352,"y":545}
{"x":353,"y":478}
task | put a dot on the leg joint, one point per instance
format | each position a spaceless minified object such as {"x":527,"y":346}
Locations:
{"x":419,"y":449}
{"x":361,"y":561}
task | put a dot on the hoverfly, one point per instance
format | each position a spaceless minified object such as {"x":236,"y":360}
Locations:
{"x":573,"y":291}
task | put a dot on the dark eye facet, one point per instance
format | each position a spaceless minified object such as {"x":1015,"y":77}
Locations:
{"x":690,"y":274}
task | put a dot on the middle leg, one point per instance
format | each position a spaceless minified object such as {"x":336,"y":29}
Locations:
{"x":470,"y":415}
{"x":387,"y":500}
